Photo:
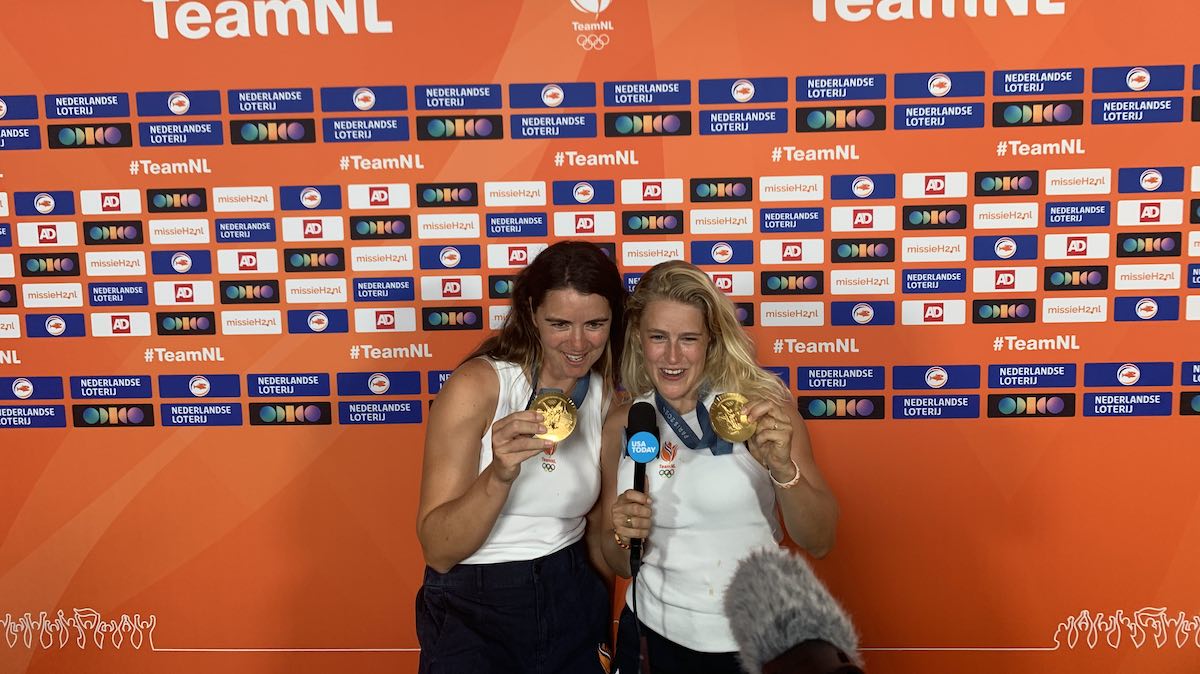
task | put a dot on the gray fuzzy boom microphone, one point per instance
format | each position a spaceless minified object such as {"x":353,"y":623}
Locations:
{"x":784,"y":619}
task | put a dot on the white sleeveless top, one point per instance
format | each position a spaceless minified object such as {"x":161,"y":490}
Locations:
{"x":547,"y":503}
{"x":709,"y":512}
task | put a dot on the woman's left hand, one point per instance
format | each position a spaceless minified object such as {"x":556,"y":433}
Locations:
{"x":771,"y":444}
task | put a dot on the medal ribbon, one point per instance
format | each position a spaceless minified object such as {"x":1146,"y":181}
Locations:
{"x":578,"y":394}
{"x":708,"y":439}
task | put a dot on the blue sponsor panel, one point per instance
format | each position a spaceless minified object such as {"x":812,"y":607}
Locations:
{"x":1047,"y":82}
{"x":20,"y":138}
{"x":939,"y":116}
{"x":19,"y":107}
{"x":584,"y":192}
{"x":296,"y":385}
{"x":1032,"y":375}
{"x":1079,"y":214}
{"x":722,"y":252}
{"x":391,"y":289}
{"x":787,"y":220}
{"x":181,"y":262}
{"x":1137,"y":110}
{"x":55,"y":325}
{"x":437,"y":379}
{"x":245,"y":230}
{"x":270,"y":101}
{"x":378,"y":383}
{"x":318,"y":321}
{"x":940,"y":84}
{"x":364,"y":129}
{"x":735,"y":122}
{"x":110,"y":387}
{"x":747,"y":90}
{"x":932,"y":281}
{"x":5,"y":235}
{"x":1155,"y":179}
{"x":648,"y":92}
{"x":310,"y":197}
{"x":1193,"y":276}
{"x":1128,"y":374}
{"x":936,"y":407}
{"x":863,"y":186}
{"x":862,"y":313}
{"x":87,"y":106}
{"x":174,"y":134}
{"x":840,"y":378}
{"x":31,"y":388}
{"x":449,"y":257}
{"x":201,"y":414}
{"x":379,"y":412}
{"x":631,"y":281}
{"x":784,"y":375}
{"x":562,"y":125}
{"x":364,"y":99}
{"x":517,"y":224}
{"x":49,"y":202}
{"x":1131,"y":404}
{"x":457,"y":97}
{"x":33,"y":416}
{"x":1156,"y":308}
{"x":118,"y":294}
{"x":1000,"y":248}
{"x":1123,"y":79}
{"x":181,"y":103}
{"x":841,"y":87}
{"x":933,"y":377}
{"x":552,"y":95}
{"x":199,"y":386}
{"x":1189,"y":373}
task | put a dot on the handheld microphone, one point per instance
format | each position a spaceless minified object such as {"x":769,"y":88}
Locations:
{"x":641,"y":432}
{"x":784,"y":619}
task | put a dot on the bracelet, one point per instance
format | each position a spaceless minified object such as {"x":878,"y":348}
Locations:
{"x":620,"y":541}
{"x":785,"y":485}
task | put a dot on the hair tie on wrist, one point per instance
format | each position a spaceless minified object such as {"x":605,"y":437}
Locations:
{"x":785,"y":485}
{"x":620,"y":541}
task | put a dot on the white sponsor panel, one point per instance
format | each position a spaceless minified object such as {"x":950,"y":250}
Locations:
{"x":47,"y":234}
{"x":381,"y":258}
{"x":862,"y":282}
{"x":512,"y":255}
{"x":791,"y":188}
{"x":1195,"y":181}
{"x":933,"y":249}
{"x":791,"y":251}
{"x":3,"y":204}
{"x":1193,"y":309}
{"x":1078,"y":181}
{"x":121,"y":324}
{"x":1005,"y":216}
{"x":1147,"y":277}
{"x":496,"y":316}
{"x":448,"y":226}
{"x":733,"y":283}
{"x":791,"y":314}
{"x":248,"y":261}
{"x":380,"y":195}
{"x":1194,"y":244}
{"x":862,"y":218}
{"x":184,"y":293}
{"x":938,"y":185}
{"x":1075,"y":310}
{"x":1150,"y":212}
{"x":585,"y":223}
{"x":1004,"y":279}
{"x":7,"y":266}
{"x":652,"y":191}
{"x":110,"y":202}
{"x":1076,"y":246}
{"x":315,"y":228}
{"x":519,"y":193}
{"x":649,"y":253}
{"x":264,"y":322}
{"x":721,"y":220}
{"x":451,"y":288}
{"x":128,"y":263}
{"x":315,"y":290}
{"x":10,"y":326}
{"x":243,"y":199}
{"x":400,"y":319}
{"x":45,"y":295}
{"x":179,"y":232}
{"x":933,"y":312}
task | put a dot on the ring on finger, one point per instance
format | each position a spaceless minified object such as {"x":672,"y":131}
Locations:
{"x":629,"y":521}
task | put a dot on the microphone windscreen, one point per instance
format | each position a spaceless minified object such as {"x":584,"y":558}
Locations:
{"x":642,"y":418}
{"x":775,"y":602}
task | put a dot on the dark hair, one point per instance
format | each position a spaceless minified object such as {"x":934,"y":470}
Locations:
{"x":578,"y":265}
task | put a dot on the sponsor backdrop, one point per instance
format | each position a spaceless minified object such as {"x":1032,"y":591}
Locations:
{"x":243,"y":243}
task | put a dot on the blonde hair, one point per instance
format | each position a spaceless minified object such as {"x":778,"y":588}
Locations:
{"x":729,"y":365}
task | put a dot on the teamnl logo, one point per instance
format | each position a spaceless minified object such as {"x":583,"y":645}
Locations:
{"x":1024,"y":405}
{"x":110,"y":416}
{"x":594,"y":33}
{"x":706,"y":190}
{"x":371,"y":227}
{"x":441,"y":195}
{"x":114,"y":233}
{"x":452,"y":318}
{"x":272,"y":131}
{"x":1008,"y":311}
{"x":250,"y":292}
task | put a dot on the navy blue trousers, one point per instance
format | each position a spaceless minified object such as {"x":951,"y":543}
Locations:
{"x":665,"y":656}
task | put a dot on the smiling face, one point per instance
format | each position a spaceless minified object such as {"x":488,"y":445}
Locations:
{"x":675,"y":341}
{"x":573,"y":329}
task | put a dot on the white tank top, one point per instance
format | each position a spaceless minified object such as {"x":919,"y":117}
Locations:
{"x":547,"y":503}
{"x":709,"y":512}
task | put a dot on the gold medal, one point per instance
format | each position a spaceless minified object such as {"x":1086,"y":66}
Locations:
{"x":558,"y":415}
{"x":728,"y":420}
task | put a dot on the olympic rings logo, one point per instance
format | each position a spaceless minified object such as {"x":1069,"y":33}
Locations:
{"x":666,"y":472}
{"x":592,"y":41}
{"x":549,"y":467}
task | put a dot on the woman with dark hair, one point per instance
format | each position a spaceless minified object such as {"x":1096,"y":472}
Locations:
{"x":718,"y":481}
{"x":510,"y":585}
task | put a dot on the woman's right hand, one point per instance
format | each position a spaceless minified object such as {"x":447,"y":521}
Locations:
{"x":631,"y":515}
{"x":513,"y":443}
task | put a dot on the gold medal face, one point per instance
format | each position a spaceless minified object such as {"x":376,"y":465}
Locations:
{"x":728,"y":420}
{"x":558,"y":416}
